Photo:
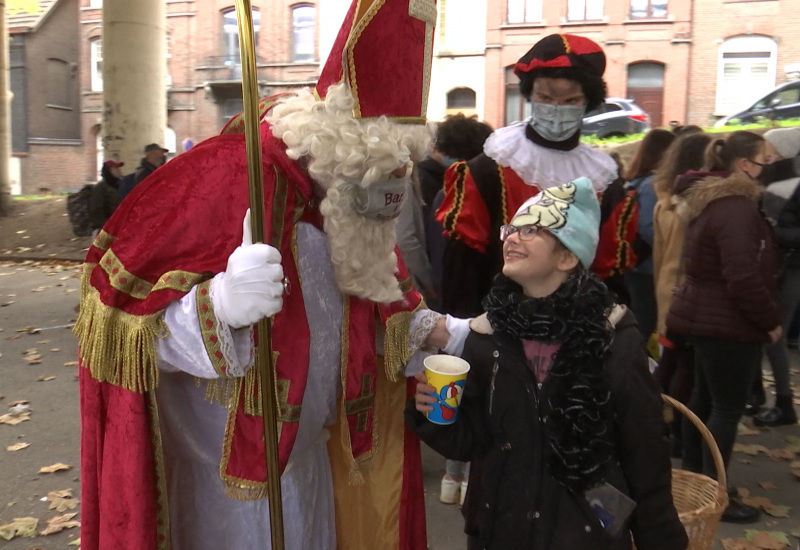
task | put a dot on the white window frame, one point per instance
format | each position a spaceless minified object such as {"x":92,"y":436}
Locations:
{"x":96,"y":62}
{"x":588,"y":8}
{"x":726,"y":103}
{"x":523,"y":11}
{"x":299,"y":31}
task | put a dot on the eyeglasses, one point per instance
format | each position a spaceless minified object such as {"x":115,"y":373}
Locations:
{"x":761,"y":164}
{"x":525,"y":232}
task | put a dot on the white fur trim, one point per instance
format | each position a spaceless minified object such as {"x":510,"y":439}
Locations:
{"x":481,"y":325}
{"x":543,"y":167}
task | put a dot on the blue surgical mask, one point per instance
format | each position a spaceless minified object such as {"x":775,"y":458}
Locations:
{"x":557,"y":122}
{"x":447,"y":162}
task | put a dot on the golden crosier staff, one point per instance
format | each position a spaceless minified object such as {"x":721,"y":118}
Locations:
{"x":263,"y":361}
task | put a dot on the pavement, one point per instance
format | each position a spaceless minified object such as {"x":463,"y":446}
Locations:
{"x":37,"y":365}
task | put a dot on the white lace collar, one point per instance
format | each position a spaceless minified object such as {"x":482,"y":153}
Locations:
{"x":544,"y":167}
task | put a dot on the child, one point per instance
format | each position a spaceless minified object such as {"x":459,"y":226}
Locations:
{"x":559,"y":400}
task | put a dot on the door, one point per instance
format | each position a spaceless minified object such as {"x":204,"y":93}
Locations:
{"x":646,"y":89}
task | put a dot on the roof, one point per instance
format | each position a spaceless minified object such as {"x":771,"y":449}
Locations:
{"x":27,"y":15}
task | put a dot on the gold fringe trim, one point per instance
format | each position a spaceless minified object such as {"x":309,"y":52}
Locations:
{"x":243,"y":493}
{"x":396,"y":344}
{"x":117,"y":347}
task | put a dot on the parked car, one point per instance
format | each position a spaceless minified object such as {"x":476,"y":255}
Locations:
{"x":781,"y":103}
{"x":615,"y":117}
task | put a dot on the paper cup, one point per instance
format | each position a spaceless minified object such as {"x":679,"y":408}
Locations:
{"x":448,"y":375}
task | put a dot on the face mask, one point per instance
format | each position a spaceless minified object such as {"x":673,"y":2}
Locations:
{"x":447,"y":162}
{"x":557,"y":122}
{"x":381,"y":200}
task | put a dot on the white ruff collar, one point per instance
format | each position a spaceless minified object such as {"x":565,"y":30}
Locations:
{"x":544,"y":167}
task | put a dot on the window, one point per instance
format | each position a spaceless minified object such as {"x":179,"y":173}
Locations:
{"x":517,"y":107}
{"x":585,"y":10}
{"x":230,"y":35}
{"x":746,"y":71}
{"x":524,"y":11}
{"x":303,"y":31}
{"x":95,"y":3}
{"x":230,"y":108}
{"x":648,"y":9}
{"x":96,"y":54}
{"x":461,"y":98}
{"x":59,"y":84}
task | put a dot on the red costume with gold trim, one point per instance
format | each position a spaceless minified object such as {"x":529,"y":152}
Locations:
{"x":167,"y":240}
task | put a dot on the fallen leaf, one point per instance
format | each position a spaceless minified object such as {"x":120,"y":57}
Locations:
{"x":777,"y":510}
{"x":71,"y":364}
{"x":738,"y":544}
{"x":76,"y":542}
{"x":54,"y":468}
{"x":744,"y":461}
{"x":19,"y":402}
{"x":14,"y":419}
{"x":767,"y":540}
{"x":18,"y":446}
{"x":55,"y":349}
{"x":20,"y":527}
{"x":45,"y":378}
{"x":781,"y":454}
{"x":744,"y":429}
{"x":758,"y":502}
{"x":795,"y":532}
{"x":752,"y":450}
{"x":61,"y":501}
{"x":59,"y":523}
{"x":767,"y":485}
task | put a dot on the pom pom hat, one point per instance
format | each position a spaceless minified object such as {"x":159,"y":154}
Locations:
{"x":570,"y":212}
{"x":383,"y":52}
{"x":563,"y":50}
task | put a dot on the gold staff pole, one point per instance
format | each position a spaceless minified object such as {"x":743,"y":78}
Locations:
{"x":247,"y":48}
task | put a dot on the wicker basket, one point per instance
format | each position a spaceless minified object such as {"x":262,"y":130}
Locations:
{"x":699,"y":499}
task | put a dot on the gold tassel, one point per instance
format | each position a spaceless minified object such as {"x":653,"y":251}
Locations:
{"x":117,"y":347}
{"x":396,"y":344}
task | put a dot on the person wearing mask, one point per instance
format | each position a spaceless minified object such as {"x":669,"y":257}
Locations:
{"x":639,"y":280}
{"x":782,"y":206}
{"x":105,"y":195}
{"x":562,"y":77}
{"x":726,"y":305}
{"x":559,"y":403}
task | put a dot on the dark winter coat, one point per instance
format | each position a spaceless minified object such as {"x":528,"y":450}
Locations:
{"x":513,"y":502}
{"x":731,"y":263}
{"x":103,"y":202}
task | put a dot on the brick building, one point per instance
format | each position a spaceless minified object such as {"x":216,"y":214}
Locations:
{"x":203,"y":71}
{"x":740,"y":50}
{"x":44,"y":61}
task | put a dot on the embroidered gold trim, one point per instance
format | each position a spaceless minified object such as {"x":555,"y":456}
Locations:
{"x":124,"y":281}
{"x":163,"y":539}
{"x":459,"y":190}
{"x":355,"y":34}
{"x":362,"y":404}
{"x":406,"y":285}
{"x":117,"y":347}
{"x":103,"y":240}
{"x":503,"y":195}
{"x":207,"y":321}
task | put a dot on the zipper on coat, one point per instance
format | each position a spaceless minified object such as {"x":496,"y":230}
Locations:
{"x":495,"y":367}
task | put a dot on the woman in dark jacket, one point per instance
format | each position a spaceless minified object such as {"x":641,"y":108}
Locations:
{"x":105,"y":195}
{"x":726,"y":305}
{"x":559,"y":403}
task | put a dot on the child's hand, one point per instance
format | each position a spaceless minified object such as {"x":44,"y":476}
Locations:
{"x":422,"y":399}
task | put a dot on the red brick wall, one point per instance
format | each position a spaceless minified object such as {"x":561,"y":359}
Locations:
{"x":624,"y":42}
{"x":717,"y":20}
{"x":51,"y":167}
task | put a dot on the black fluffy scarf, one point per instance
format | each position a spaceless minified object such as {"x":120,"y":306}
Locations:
{"x":578,"y":411}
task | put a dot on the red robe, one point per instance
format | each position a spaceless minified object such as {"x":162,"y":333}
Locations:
{"x":175,"y":231}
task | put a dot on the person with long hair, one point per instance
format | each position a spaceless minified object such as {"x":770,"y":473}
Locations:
{"x":726,"y":305}
{"x":675,"y":371}
{"x":640,"y":176}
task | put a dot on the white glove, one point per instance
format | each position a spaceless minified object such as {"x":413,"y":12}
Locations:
{"x":252,"y":286}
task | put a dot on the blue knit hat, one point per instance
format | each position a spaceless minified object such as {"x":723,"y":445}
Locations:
{"x":570,"y":212}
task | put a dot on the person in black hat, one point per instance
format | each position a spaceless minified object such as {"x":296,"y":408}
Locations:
{"x":154,"y":156}
{"x":562,"y":77}
{"x":105,"y":198}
